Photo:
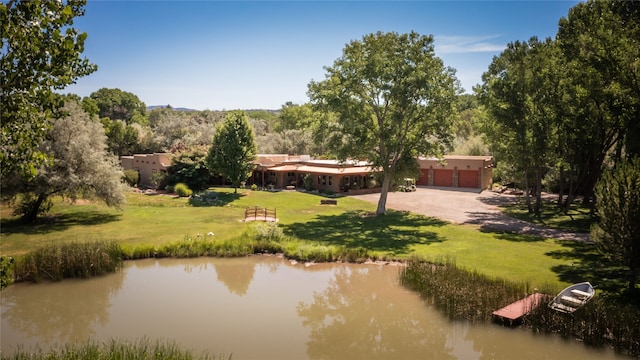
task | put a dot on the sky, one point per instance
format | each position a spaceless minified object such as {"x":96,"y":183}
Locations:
{"x":226,"y":55}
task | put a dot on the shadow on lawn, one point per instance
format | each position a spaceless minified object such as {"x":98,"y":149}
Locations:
{"x":58,"y":222}
{"x":214,"y":198}
{"x":588,"y":264}
{"x":394,"y":232}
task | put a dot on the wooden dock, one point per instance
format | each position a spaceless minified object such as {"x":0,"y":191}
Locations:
{"x":513,"y":313}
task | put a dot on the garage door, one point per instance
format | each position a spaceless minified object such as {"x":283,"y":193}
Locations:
{"x":424,"y":177}
{"x":443,"y":177}
{"x":468,"y":179}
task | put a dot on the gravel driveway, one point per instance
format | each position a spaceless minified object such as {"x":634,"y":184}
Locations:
{"x":466,"y":206}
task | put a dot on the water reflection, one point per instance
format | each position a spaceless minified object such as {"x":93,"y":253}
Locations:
{"x":359,"y":314}
{"x":52,"y":312}
{"x":261,"y":308}
{"x":237,"y":275}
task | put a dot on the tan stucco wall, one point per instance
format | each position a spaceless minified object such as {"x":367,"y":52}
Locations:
{"x":146,"y":164}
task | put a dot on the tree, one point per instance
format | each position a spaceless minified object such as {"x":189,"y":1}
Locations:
{"x":617,"y":233}
{"x":233,"y":149}
{"x":122,"y":139}
{"x":81,"y":166}
{"x":120,"y":105}
{"x":39,"y":53}
{"x":190,"y":167}
{"x":599,"y":40}
{"x":519,"y":93}
{"x":392,"y":96}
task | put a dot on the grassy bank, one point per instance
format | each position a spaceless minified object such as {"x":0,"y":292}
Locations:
{"x":470,"y":296}
{"x":159,"y":225}
{"x":115,"y":349}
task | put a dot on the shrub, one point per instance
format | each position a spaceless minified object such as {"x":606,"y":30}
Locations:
{"x":5,"y":277}
{"x":268,"y":231}
{"x":170,"y":189}
{"x":308,"y":182}
{"x":159,"y":180}
{"x":131,"y":177}
{"x":205,"y":198}
{"x":183,"y":190}
{"x":254,"y":187}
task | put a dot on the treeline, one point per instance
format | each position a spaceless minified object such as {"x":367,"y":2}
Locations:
{"x":560,"y":111}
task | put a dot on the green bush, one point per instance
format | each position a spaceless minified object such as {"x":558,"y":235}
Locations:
{"x":308,"y":182}
{"x":159,"y":180}
{"x":5,"y":277}
{"x":131,"y":177}
{"x":182,"y":190}
{"x":254,"y":187}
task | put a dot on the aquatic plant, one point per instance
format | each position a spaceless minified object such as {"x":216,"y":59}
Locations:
{"x":466,"y":295}
{"x":69,"y":260}
{"x":143,"y":349}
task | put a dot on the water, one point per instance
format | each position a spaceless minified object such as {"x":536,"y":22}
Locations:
{"x":261,"y":308}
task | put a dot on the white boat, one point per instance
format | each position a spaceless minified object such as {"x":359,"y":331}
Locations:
{"x":573,"y":297}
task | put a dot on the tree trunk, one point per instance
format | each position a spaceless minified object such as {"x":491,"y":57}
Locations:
{"x":527,"y":191}
{"x":538,"y":187}
{"x":561,"y":186}
{"x":382,"y":202}
{"x":31,"y":215}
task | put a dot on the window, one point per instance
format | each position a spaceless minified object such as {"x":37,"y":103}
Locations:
{"x":330,"y":180}
{"x":324,"y":180}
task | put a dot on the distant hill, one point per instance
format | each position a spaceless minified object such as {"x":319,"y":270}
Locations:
{"x":149,"y":108}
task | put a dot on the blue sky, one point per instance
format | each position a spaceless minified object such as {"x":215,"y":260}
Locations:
{"x":224,"y":55}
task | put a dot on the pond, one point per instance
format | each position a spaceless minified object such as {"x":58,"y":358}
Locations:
{"x":261,"y":307}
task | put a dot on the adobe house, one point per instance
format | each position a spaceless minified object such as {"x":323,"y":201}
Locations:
{"x":281,"y":171}
{"x":146,"y":165}
{"x":457,"y":171}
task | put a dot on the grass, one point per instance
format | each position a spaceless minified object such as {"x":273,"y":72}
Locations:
{"x":115,"y":349}
{"x":578,"y":218}
{"x":152,"y":224}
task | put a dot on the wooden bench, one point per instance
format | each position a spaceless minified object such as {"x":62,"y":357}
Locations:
{"x":571,"y":301}
{"x":580,"y":294}
{"x":328,"y":202}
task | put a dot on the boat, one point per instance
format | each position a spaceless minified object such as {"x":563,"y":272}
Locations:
{"x":573,"y":297}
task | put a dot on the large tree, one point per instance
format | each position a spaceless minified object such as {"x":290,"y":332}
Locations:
{"x":617,"y":232}
{"x":599,"y":40}
{"x":519,"y":92}
{"x":393,"y":98}
{"x":81,"y":166}
{"x":39,"y":53}
{"x":233,"y":149}
{"x":120,"y":105}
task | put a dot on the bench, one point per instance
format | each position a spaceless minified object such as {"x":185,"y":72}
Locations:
{"x":571,"y":301}
{"x":580,"y":294}
{"x":328,"y":202}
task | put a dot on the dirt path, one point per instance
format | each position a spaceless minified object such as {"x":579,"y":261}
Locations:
{"x":468,"y":207}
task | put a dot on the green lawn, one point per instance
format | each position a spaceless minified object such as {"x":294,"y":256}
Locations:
{"x":161,"y":219}
{"x":578,"y":218}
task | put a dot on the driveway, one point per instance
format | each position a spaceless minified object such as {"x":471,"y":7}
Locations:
{"x":468,"y":206}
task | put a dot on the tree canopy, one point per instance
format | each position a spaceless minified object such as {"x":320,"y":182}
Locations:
{"x":393,"y":99}
{"x":233,"y":149}
{"x":116,"y":104}
{"x":39,"y":53}
{"x":81,"y":165}
{"x":617,"y":233}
